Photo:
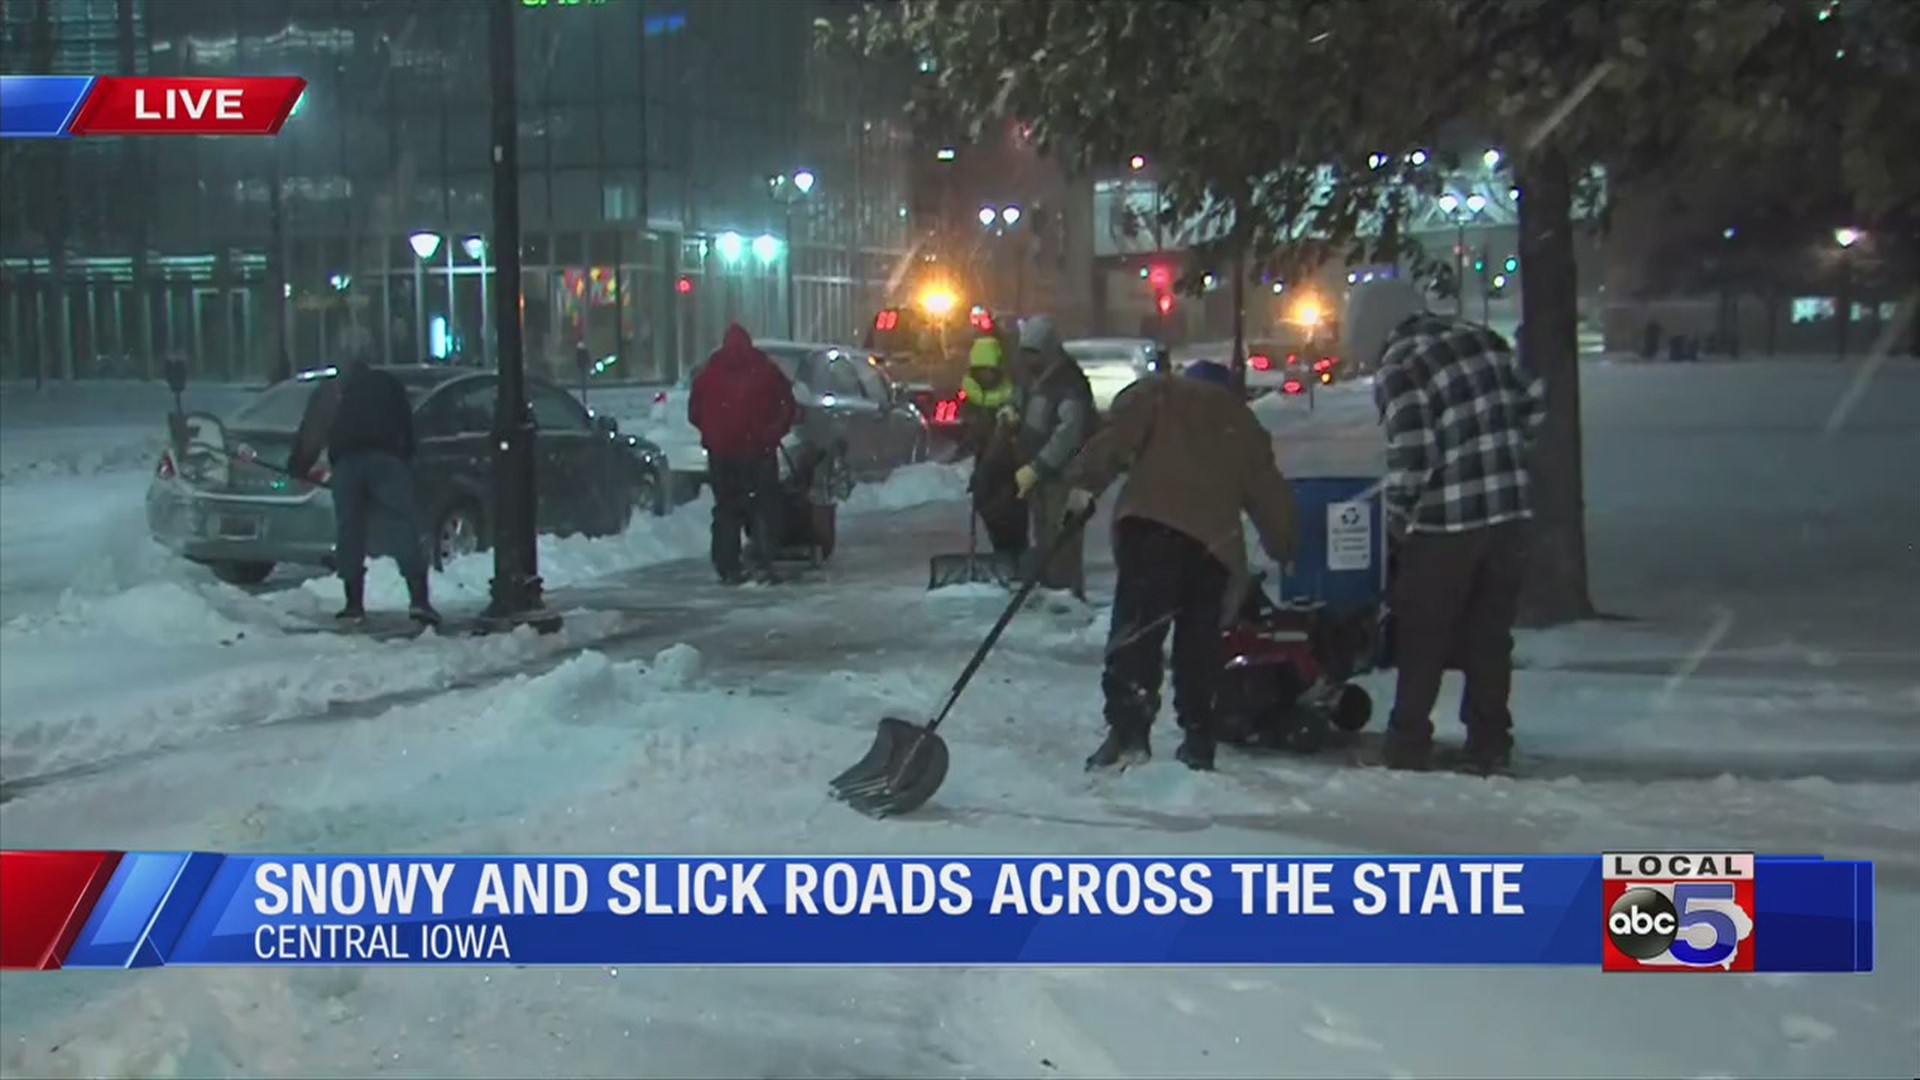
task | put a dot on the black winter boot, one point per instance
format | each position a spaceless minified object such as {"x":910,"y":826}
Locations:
{"x":356,"y":593}
{"x":1124,"y":746}
{"x":419,"y":607}
{"x":1196,"y":752}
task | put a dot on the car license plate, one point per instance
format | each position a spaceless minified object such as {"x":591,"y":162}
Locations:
{"x":239,"y":528}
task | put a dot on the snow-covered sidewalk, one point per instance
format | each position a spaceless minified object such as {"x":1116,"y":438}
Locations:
{"x":1761,"y":698}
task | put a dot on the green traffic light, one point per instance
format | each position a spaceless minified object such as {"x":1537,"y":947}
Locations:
{"x":1512,"y":264}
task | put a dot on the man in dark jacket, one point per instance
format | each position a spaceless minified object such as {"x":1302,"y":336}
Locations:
{"x":1195,"y":458}
{"x":1461,"y":415}
{"x":363,"y":421}
{"x":742,"y":404}
{"x":1053,"y":406}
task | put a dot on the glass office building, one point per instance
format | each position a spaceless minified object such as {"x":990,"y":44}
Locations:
{"x":662,"y":144}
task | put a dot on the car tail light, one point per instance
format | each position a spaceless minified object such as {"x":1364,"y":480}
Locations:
{"x":1259,"y":363}
{"x":961,"y":396}
{"x":1323,"y":363}
{"x":1293,"y":358}
{"x":1292,"y":386}
{"x":946,"y":412}
{"x":164,"y":470}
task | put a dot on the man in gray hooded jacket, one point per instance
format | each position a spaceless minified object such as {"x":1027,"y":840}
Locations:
{"x":1053,"y":405}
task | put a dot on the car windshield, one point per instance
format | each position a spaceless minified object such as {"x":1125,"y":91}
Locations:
{"x":788,"y":359}
{"x":1103,"y":354}
{"x":280,"y":406}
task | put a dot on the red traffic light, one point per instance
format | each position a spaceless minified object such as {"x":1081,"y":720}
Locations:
{"x":683,"y":286}
{"x":1159,"y":277}
{"x":1165,"y":303}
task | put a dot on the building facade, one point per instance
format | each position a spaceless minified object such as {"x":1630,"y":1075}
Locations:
{"x":683,"y":163}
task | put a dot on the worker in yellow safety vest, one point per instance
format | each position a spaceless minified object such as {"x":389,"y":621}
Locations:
{"x":985,"y":393}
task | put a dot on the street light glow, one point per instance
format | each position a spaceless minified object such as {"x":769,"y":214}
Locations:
{"x":475,"y":247}
{"x":1375,"y":161}
{"x":1846,"y":238}
{"x":946,"y":153}
{"x":729,"y":245}
{"x":1449,"y":202}
{"x":1136,"y":163}
{"x":803,"y":180}
{"x":766,"y":248}
{"x":1491,"y":158}
{"x":1011,"y":215}
{"x":1417,"y":158}
{"x":938,"y":301}
{"x":1476,"y":202}
{"x":1306,"y":312}
{"x":987,"y":214}
{"x":424,"y":244}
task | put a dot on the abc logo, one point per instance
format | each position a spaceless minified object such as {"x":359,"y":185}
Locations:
{"x":1642,"y":923}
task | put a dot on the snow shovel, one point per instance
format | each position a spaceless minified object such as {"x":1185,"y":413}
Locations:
{"x":973,"y":568}
{"x":907,"y":762}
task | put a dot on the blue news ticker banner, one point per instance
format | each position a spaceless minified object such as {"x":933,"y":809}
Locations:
{"x":40,"y":106}
{"x":180,"y":908}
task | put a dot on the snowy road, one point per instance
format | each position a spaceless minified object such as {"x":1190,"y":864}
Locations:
{"x":1762,"y":696}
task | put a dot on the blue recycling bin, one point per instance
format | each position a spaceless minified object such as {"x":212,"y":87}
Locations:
{"x":1342,"y":558}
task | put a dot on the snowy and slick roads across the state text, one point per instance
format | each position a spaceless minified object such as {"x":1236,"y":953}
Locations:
{"x":1762,"y":696}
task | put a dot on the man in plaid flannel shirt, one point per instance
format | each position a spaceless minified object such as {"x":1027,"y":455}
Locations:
{"x":1460,"y":415}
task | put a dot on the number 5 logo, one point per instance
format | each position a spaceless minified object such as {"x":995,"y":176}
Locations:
{"x":1703,"y":903}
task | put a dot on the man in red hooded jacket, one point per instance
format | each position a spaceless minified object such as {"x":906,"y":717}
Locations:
{"x":743,"y":406}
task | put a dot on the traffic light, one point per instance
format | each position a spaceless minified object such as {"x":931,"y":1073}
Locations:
{"x":1164,"y":302}
{"x":1479,"y":266}
{"x":1513,"y":264}
{"x":1160,"y":277}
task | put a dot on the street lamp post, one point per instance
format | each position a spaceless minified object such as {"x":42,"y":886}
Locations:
{"x":1843,"y":307}
{"x":1476,"y":203}
{"x":424,"y":244}
{"x":476,"y":249}
{"x":516,"y":588}
{"x":788,"y":189}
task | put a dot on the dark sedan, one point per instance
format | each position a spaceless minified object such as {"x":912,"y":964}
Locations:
{"x":225,"y":501}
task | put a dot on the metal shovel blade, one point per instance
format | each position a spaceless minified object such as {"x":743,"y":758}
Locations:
{"x":902,"y":769}
{"x":993,"y":568}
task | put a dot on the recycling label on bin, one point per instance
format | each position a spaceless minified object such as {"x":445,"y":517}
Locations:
{"x":1349,"y":536}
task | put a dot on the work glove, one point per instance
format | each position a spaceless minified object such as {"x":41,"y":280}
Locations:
{"x":1079,"y":502}
{"x":1025,"y":479}
{"x":1008,"y":414}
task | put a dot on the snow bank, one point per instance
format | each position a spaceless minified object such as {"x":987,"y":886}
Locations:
{"x":912,"y":485}
{"x":564,"y":560}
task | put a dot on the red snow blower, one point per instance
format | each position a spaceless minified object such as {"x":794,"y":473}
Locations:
{"x":1286,"y":683}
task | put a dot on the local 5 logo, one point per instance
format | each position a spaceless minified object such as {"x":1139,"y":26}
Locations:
{"x":1678,"y":925}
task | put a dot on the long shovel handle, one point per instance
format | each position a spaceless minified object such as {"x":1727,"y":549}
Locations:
{"x":1069,"y":533}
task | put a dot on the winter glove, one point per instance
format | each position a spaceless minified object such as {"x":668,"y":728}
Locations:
{"x":1025,"y":479}
{"x":1079,"y":501}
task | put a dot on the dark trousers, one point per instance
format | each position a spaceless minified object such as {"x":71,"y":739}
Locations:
{"x":745,"y":498}
{"x":1166,"y":580}
{"x":371,"y":488}
{"x":1455,"y":596}
{"x":1003,"y":514}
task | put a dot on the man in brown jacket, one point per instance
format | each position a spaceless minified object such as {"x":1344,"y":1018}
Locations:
{"x":1195,"y":458}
